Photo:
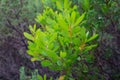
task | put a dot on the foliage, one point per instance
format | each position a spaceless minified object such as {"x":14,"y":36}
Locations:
{"x":34,"y":76}
{"x":103,"y":17}
{"x":62,"y":40}
{"x":17,"y":14}
{"x":22,"y":74}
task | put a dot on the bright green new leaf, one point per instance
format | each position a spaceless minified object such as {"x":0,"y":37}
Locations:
{"x":63,"y":54}
{"x":45,"y":77}
{"x":73,"y":16}
{"x":59,"y":5}
{"x":53,"y":37}
{"x":61,"y":39}
{"x":28,"y":36}
{"x":34,"y":27}
{"x":83,"y":33}
{"x":39,"y":77}
{"x":62,"y":23}
{"x":66,"y":4}
{"x":34,"y":59}
{"x":31,"y":29}
{"x":79,"y":19}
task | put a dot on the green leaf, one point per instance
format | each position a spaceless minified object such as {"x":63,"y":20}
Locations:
{"x":46,"y":63}
{"x":83,"y":33}
{"x":52,"y":55}
{"x":63,"y":54}
{"x":79,"y":19}
{"x":34,"y":59}
{"x":39,"y":77}
{"x":38,"y":33}
{"x":45,"y":77}
{"x":87,"y":48}
{"x":66,"y":4}
{"x":28,"y":36}
{"x":53,"y":37}
{"x":92,"y":38}
{"x":73,"y":16}
{"x":51,"y":78}
{"x":86,"y":5}
{"x":60,"y":31}
{"x":31,"y":29}
{"x":34,"y":27}
{"x":59,"y":63}
{"x":59,"y":5}
{"x":104,"y":8}
{"x":62,"y":23}
{"x":61,"y":40}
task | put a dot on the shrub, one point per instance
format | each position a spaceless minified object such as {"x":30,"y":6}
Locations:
{"x":35,"y":75}
{"x":61,"y":41}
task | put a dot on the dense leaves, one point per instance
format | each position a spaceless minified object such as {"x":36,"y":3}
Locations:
{"x":84,"y":17}
{"x":62,"y":39}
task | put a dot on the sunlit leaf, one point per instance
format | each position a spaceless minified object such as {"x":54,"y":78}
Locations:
{"x":63,"y":54}
{"x":79,"y":19}
{"x":28,"y":36}
{"x":59,"y":5}
{"x":73,"y":16}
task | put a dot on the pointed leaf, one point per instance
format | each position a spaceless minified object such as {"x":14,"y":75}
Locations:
{"x":28,"y":36}
{"x":39,"y":77}
{"x":92,"y":38}
{"x":87,"y":48}
{"x":59,"y":5}
{"x":73,"y":16}
{"x":31,"y":28}
{"x":79,"y":19}
{"x":66,"y":4}
{"x":45,"y":77}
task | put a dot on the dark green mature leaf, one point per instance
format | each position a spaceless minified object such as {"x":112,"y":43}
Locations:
{"x":86,"y":5}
